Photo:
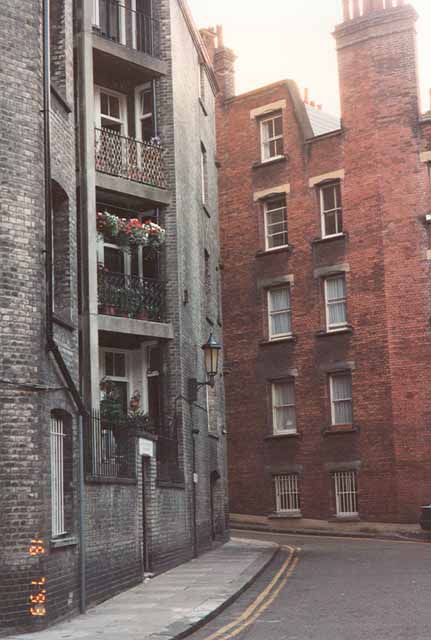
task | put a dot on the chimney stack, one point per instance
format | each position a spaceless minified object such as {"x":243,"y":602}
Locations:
{"x":224,"y":66}
{"x":209,"y":37}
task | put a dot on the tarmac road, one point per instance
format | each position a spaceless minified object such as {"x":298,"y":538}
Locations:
{"x":320,"y":588}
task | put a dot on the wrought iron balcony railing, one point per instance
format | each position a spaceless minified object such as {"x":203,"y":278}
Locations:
{"x":130,"y":296}
{"x":109,"y":449}
{"x":132,"y":29}
{"x":128,"y":158}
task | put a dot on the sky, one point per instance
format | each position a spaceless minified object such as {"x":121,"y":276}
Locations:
{"x":292,"y":39}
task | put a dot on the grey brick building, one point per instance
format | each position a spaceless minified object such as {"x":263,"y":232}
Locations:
{"x":110,"y":463}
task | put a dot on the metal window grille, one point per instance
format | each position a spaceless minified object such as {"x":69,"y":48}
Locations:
{"x":287,"y":493}
{"x":346,"y":493}
{"x":57,"y":476}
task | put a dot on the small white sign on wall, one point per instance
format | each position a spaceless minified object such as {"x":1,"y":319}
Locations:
{"x":146,"y":447}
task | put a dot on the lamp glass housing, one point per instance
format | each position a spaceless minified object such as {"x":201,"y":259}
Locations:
{"x":211,"y":353}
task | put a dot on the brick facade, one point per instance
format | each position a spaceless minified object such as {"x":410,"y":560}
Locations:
{"x":377,"y":156}
{"x":172,"y":505}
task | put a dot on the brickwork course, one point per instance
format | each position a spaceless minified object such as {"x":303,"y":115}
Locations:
{"x":173,"y":505}
{"x":378,"y":154}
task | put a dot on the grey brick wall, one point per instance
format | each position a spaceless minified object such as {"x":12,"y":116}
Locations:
{"x":25,"y":501}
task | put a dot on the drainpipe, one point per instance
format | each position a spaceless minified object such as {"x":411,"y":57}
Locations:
{"x":51,"y":344}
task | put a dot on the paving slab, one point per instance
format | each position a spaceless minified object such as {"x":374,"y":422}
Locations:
{"x":172,"y":605}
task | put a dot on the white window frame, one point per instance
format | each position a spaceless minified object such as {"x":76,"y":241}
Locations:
{"x":332,"y":377}
{"x":287,"y":311}
{"x":265,"y":142}
{"x":287,"y":495}
{"x":139,"y":116}
{"x":346,"y":494}
{"x":338,"y":325}
{"x":267,"y":211}
{"x":122,"y":120}
{"x":337,"y":209}
{"x":275,"y":429}
{"x":57,"y":436}
{"x":96,"y":13}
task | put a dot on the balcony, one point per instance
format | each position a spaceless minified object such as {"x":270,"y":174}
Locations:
{"x":124,"y":26}
{"x":127,"y":296}
{"x":127,"y":158}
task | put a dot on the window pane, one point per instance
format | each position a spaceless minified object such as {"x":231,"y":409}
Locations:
{"x":338,"y":195}
{"x":114,"y":107}
{"x":279,"y":240}
{"x":277,"y":203}
{"x":328,"y":198}
{"x":343,"y":412}
{"x":104,"y":108}
{"x":280,"y":323}
{"x":337,"y":313}
{"x":279,"y":299}
{"x":339,"y":217}
{"x":109,"y":363}
{"x":342,"y":387}
{"x":336,"y":288}
{"x":276,"y":216}
{"x":279,"y":147}
{"x":330,"y":224}
{"x":267,"y":130}
{"x":114,"y":260}
{"x":120,"y":365}
{"x":278,"y":126}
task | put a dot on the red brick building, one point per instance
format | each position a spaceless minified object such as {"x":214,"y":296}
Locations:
{"x":327,"y":285}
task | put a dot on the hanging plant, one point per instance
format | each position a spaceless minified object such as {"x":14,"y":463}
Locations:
{"x":127,"y":233}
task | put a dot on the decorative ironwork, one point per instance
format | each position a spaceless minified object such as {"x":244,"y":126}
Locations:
{"x":132,"y":29}
{"x":129,"y":158}
{"x":130,"y":296}
{"x":110,"y":445}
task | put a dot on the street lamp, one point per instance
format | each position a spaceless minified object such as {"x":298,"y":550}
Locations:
{"x":211,"y":350}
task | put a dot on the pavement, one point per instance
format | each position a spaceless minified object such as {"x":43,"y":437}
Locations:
{"x":174,"y":604}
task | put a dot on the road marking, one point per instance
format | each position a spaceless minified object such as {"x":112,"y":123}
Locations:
{"x":262,"y":602}
{"x":327,"y":537}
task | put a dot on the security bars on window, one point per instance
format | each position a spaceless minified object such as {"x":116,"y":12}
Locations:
{"x":331,"y":210}
{"x":57,"y":476}
{"x":346,"y":493}
{"x":283,"y":407}
{"x":335,"y":302}
{"x":341,"y":399}
{"x":271,"y":131}
{"x":280,"y":315}
{"x":287,"y":493}
{"x":275,"y":223}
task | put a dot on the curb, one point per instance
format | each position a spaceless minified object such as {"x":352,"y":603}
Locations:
{"x":254,"y":571}
{"x":420,"y":538}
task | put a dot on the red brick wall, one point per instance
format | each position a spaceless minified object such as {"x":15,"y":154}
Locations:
{"x":385,"y":198}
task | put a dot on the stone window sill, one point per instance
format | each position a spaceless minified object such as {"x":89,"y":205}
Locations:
{"x":294,"y":515}
{"x":278,"y":436}
{"x":65,"y":541}
{"x":339,"y":428}
{"x":258,"y":165}
{"x":344,"y":519}
{"x":268,"y":252}
{"x":292,"y":338}
{"x":336,"y":332}
{"x":337,"y":236}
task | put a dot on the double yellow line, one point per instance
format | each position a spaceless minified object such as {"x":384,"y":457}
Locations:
{"x":262,"y":602}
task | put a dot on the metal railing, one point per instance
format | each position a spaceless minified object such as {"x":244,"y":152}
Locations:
{"x":129,"y":158}
{"x":130,"y":296}
{"x":132,"y":29}
{"x":109,"y":449}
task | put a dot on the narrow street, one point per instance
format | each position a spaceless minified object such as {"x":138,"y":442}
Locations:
{"x":332,"y":589}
